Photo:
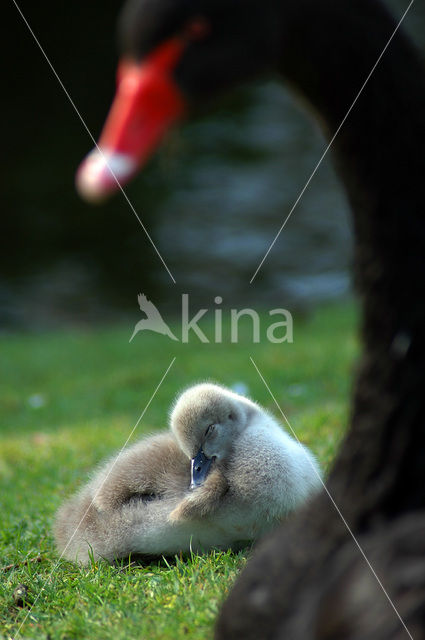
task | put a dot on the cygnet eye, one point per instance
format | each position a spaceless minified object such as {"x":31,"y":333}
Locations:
{"x":231,"y":416}
{"x":209,"y":430}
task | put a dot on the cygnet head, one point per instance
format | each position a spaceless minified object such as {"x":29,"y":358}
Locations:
{"x":205,"y":420}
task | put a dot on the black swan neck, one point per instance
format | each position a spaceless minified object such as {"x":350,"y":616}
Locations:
{"x":327,"y":58}
{"x":380,"y":157}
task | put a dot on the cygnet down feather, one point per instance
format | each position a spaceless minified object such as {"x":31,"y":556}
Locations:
{"x":224,"y":475}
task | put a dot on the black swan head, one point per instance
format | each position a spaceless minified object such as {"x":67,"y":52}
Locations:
{"x":175,"y":55}
{"x":222,"y":43}
{"x":178,"y":54}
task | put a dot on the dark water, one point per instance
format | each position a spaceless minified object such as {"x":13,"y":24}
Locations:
{"x":213,"y":199}
{"x":237,"y":183}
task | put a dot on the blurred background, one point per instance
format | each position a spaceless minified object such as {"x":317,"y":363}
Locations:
{"x":212,"y":198}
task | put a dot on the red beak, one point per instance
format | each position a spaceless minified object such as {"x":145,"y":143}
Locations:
{"x":147,"y":102}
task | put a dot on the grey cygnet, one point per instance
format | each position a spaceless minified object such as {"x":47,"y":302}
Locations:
{"x":224,"y":475}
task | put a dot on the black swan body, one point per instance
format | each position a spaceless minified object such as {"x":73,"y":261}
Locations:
{"x":310,"y":580}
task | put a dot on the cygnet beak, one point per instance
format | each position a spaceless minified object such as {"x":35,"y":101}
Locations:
{"x":200,"y":469}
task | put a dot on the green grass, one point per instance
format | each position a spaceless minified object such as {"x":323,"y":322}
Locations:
{"x":69,"y":399}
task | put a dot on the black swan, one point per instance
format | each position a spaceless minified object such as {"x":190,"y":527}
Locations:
{"x":310,"y":579}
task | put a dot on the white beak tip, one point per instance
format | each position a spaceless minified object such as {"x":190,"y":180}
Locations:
{"x":102,"y":173}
